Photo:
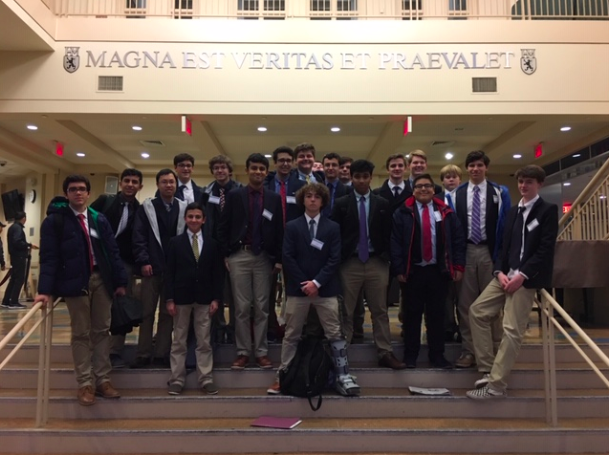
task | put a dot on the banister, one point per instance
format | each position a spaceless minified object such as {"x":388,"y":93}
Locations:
{"x":20,"y":324}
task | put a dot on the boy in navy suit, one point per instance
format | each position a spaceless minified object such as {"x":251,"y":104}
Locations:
{"x":311,"y":256}
{"x":194,"y":282}
{"x":524,"y":265}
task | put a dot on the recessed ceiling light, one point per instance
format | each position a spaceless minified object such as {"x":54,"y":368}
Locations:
{"x":80,"y":154}
{"x":408,"y":156}
{"x":145,"y":155}
{"x":567,"y":184}
{"x":577,"y":155}
{"x":268,"y":156}
{"x":602,"y":196}
{"x":565,"y":128}
{"x":136,"y":128}
{"x":517,"y":156}
{"x":32,"y":127}
{"x":335,"y":129}
{"x":449,"y":156}
{"x":262,"y":129}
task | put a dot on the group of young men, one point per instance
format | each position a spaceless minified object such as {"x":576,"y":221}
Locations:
{"x":328,"y":236}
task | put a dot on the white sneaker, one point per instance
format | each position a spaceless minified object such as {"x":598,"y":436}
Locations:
{"x":482,"y":382}
{"x":346,"y":386}
{"x":485,"y":393}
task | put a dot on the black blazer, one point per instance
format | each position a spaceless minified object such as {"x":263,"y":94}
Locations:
{"x":110,"y":206}
{"x":190,"y":281}
{"x":235,"y":216}
{"x":292,"y":210}
{"x":212,"y":210}
{"x":346,"y":214}
{"x":541,"y":229}
{"x":397,"y":202}
{"x":304,"y":262}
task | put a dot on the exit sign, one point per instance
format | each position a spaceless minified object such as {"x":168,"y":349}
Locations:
{"x":538,"y":150}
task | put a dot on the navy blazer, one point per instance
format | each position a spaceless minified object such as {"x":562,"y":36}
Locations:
{"x":235,"y":217}
{"x":190,"y":281}
{"x":541,"y":229}
{"x":212,"y":209}
{"x":197,"y":192}
{"x":397,"y":202}
{"x":304,"y":262}
{"x":346,"y":214}
{"x":292,"y":209}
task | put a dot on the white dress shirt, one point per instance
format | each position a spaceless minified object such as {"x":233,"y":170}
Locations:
{"x":188,"y":192}
{"x":199,"y":239}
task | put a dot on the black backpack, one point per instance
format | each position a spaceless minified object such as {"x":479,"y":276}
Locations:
{"x":307,"y":374}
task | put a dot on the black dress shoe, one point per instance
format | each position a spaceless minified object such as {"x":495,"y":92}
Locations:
{"x":410,"y":363}
{"x":441,"y":363}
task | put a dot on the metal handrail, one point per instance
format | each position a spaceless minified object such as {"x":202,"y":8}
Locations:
{"x":548,"y":305}
{"x":44,"y":353}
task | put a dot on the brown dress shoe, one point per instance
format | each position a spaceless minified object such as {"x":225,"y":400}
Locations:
{"x":264,"y":362}
{"x":105,"y":390}
{"x":465,"y":361}
{"x":389,"y":361}
{"x":240,"y":363}
{"x":86,"y":396}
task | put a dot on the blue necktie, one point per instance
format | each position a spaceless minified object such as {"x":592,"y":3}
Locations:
{"x":449,"y":199}
{"x":362,"y":249}
{"x":476,"y":235}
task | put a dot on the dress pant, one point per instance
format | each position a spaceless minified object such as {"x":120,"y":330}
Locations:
{"x":483,"y":313}
{"x":222,"y":330}
{"x":90,"y":341}
{"x":476,"y":277}
{"x":372,"y":277}
{"x":424,"y":292}
{"x":17,"y":280}
{"x":451,"y":324}
{"x":151,"y":291}
{"x":117,"y":343}
{"x":179,"y":347}
{"x":251,"y":286}
{"x":297,"y":311}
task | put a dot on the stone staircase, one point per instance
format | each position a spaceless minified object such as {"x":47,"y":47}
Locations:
{"x":385,"y":419}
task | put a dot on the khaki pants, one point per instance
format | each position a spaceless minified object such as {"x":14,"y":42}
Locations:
{"x":204,"y":353}
{"x":251,"y":282}
{"x":297,"y":310}
{"x":90,"y":323}
{"x":483,"y":313}
{"x":478,"y":274}
{"x":372,"y":277}
{"x":152,"y":290}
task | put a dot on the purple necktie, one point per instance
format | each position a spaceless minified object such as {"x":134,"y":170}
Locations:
{"x":362,"y":248}
{"x":476,"y":235}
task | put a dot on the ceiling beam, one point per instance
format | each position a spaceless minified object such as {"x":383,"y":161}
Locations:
{"x":390,"y":139}
{"x":112,"y":157}
{"x":206,"y":140}
{"x":26,"y":153}
{"x":575,"y":146}
{"x":500,"y":145}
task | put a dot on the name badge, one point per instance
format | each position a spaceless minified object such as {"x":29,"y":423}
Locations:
{"x":532,"y":225}
{"x":496,"y":199}
{"x":317,"y":244}
{"x":268,"y":215}
{"x":214,"y":199}
{"x":438,"y":216}
{"x":93,"y":233}
{"x":290,"y":199}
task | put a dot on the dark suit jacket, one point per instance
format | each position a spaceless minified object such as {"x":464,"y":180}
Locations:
{"x":18,"y":247}
{"x":190,"y":281}
{"x":346,"y":214}
{"x":292,"y":210}
{"x":212,"y":210}
{"x":397,"y":202}
{"x":495,"y":218}
{"x":340,"y":191}
{"x":111,"y":206}
{"x":235,"y":217}
{"x":539,"y":241}
{"x":303,"y":262}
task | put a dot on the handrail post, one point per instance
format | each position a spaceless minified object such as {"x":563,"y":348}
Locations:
{"x":47,"y":364}
{"x":546,"y":358}
{"x":549,"y":361}
{"x":41,"y":372}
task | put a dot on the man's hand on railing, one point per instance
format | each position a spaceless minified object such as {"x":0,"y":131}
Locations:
{"x":45,"y":299}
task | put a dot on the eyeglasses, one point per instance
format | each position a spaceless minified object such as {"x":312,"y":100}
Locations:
{"x":421,"y":186}
{"x":285,"y":161}
{"x":77,"y":189}
{"x":185,"y":165}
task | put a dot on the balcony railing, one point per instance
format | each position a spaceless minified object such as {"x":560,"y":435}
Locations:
{"x":337,"y":9}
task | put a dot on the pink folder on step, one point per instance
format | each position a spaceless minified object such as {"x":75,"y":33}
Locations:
{"x":284,"y":423}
